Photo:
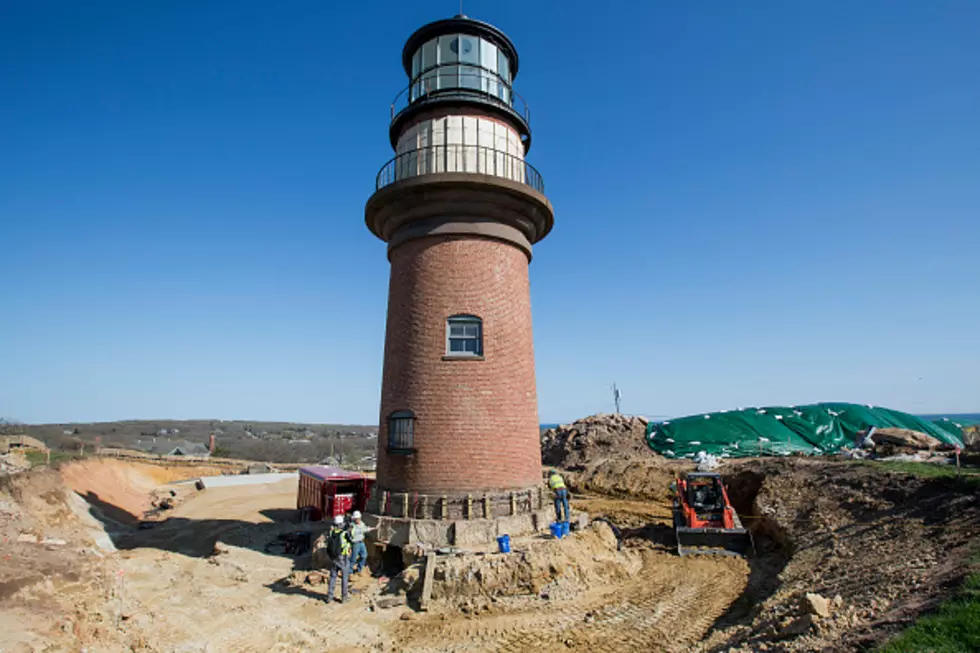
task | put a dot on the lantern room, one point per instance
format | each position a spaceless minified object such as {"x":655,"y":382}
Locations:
{"x":461,"y":62}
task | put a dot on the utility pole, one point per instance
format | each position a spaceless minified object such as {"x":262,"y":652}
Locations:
{"x":616,"y":396}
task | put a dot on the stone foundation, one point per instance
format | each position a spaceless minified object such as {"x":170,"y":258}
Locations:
{"x":396,"y":531}
{"x":457,"y":506}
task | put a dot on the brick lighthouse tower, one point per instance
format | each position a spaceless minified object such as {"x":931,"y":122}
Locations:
{"x":459,"y":207}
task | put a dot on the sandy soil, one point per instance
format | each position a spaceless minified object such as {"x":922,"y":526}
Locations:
{"x":125,"y":489}
{"x":889,"y":545}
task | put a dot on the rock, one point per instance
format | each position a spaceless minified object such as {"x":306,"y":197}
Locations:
{"x":54,"y":541}
{"x":27,"y":538}
{"x":315,"y":578}
{"x":838,"y":601}
{"x":390,"y":602}
{"x":905,"y":438}
{"x":219,"y":548}
{"x":797,"y":627}
{"x":409,"y":579}
{"x":816,"y":604}
{"x":407,"y":616}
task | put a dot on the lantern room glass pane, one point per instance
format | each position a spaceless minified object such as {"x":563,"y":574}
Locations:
{"x":448,"y":77}
{"x":503,"y":69}
{"x":503,"y":66}
{"x":488,"y":55}
{"x":468,"y":49}
{"x":470,"y":77}
{"x":488,"y":61}
{"x":416,"y":91}
{"x":427,"y":60}
{"x":447,"y":49}
{"x":428,"y":55}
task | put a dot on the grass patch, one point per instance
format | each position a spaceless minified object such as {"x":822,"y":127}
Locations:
{"x":955,"y":628}
{"x":37,"y":458}
{"x":925,"y":470}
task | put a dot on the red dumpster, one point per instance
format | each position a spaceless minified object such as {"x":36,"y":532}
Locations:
{"x":329,"y":491}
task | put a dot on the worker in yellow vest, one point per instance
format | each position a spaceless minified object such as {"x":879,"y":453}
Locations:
{"x":557,"y":485}
{"x":339,"y":546}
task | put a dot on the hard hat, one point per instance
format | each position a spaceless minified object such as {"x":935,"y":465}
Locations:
{"x":338,"y":520}
{"x":357,"y":514}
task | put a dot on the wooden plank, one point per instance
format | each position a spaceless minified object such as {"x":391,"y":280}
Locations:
{"x":430,"y":568}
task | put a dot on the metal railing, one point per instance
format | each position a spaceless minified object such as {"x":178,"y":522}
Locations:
{"x":457,"y":80}
{"x":478,"y":159}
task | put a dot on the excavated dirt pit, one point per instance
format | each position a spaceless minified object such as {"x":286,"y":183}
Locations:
{"x":881,"y":547}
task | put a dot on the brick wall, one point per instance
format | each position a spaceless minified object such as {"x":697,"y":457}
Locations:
{"x":477,"y":420}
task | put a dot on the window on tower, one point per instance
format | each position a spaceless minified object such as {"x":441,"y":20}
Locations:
{"x":464,"y":336}
{"x":401,"y":430}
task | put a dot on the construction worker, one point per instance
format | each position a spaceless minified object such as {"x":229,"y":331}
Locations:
{"x":557,"y":485}
{"x":357,"y":531}
{"x":339,"y":547}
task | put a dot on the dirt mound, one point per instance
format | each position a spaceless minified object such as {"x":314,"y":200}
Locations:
{"x":645,"y":478}
{"x":883,"y":547}
{"x":638,"y":599}
{"x":13,"y":463}
{"x":905,"y":438}
{"x":593,"y":438}
{"x":124,"y":490}
{"x":568,"y":564}
{"x":48,"y":556}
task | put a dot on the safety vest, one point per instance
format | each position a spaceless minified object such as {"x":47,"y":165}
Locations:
{"x":345,"y":540}
{"x":555,"y":482}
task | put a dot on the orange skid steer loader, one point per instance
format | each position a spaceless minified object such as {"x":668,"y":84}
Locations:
{"x":704,"y":520}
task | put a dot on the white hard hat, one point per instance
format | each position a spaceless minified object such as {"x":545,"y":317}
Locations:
{"x":339,"y":519}
{"x":357,"y":514}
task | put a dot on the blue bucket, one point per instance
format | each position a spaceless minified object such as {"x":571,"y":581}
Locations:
{"x":564,"y":528}
{"x":503,"y":543}
{"x":556,"y":529}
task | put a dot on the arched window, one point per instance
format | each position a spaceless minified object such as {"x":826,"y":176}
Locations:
{"x":464,"y":336}
{"x":401,"y":430}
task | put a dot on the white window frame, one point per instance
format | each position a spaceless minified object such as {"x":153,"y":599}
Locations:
{"x":464,"y":320}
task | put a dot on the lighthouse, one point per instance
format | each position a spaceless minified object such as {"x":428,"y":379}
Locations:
{"x":460,"y":209}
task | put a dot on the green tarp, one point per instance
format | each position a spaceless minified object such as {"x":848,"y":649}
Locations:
{"x":782,"y":430}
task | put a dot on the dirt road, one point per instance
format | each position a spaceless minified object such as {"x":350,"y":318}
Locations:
{"x":195,"y":525}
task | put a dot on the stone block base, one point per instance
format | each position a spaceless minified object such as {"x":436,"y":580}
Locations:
{"x":396,"y":531}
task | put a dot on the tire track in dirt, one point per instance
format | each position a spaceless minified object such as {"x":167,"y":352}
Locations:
{"x":671,"y":603}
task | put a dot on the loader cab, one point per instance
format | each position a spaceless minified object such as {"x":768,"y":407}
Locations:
{"x":705,"y":494}
{"x":704,"y":521}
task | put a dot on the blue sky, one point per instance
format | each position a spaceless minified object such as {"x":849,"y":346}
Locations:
{"x":757,"y":203}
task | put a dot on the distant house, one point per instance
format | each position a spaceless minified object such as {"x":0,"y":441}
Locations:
{"x":166,"y":447}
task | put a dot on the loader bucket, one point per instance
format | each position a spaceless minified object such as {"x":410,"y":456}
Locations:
{"x":713,"y":541}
